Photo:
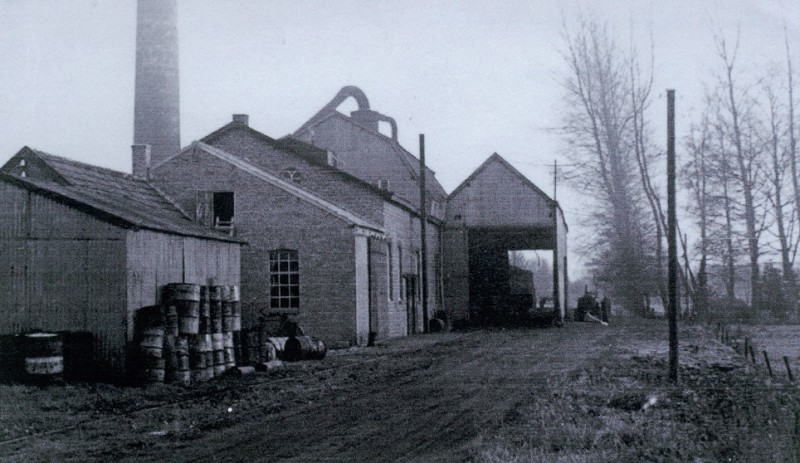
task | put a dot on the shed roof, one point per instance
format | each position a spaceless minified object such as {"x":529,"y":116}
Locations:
{"x":107,"y":194}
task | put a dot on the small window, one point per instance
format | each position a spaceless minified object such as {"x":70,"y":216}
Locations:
{"x":223,"y":208}
{"x":284,"y":280}
{"x":292,"y":174}
{"x":435,"y":208}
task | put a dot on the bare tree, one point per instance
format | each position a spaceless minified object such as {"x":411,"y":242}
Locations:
{"x":780,"y":160}
{"x":606,"y":132}
{"x":736,"y":104}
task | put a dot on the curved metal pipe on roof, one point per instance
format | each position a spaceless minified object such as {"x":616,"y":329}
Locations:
{"x":391,"y":122}
{"x":345,"y":93}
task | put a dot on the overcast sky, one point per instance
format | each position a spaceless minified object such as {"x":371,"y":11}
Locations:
{"x":476,"y":77}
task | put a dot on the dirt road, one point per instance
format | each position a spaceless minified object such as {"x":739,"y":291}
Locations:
{"x":424,"y":398}
{"x":411,"y":404}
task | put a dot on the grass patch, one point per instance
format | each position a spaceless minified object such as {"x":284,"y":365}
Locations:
{"x":624,"y":411}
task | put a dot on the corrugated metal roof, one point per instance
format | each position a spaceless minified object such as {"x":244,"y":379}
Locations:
{"x":111,"y":195}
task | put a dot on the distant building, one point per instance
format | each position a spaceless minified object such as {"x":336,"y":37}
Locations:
{"x":82,"y":248}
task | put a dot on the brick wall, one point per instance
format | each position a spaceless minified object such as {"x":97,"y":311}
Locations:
{"x":269,"y":218}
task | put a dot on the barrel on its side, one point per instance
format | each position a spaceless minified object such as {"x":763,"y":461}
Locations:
{"x":304,"y":348}
{"x":44,"y":357}
{"x":279,"y":343}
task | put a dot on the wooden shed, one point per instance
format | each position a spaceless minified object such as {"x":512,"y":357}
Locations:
{"x":82,"y":248}
{"x":496,"y":210}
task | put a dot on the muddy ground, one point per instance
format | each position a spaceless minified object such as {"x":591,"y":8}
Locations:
{"x":583,"y":392}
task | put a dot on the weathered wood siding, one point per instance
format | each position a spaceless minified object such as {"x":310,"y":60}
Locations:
{"x":499,"y":197}
{"x":157,"y":259}
{"x":456,"y":272}
{"x":61,"y":269}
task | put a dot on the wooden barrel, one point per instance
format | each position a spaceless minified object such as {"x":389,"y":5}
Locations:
{"x":236,"y":308}
{"x":268,"y":352}
{"x":205,"y":311}
{"x":197,"y":359}
{"x":197,"y":352}
{"x":229,"y":352}
{"x":185,"y":297}
{"x":209,"y":353}
{"x":219,"y":353}
{"x":170,"y":355}
{"x":150,"y":355}
{"x":215,"y":303}
{"x":171,"y":326}
{"x":152,"y":370}
{"x":151,"y":342}
{"x":304,"y":348}
{"x":44,"y":357}
{"x":227,"y":309}
{"x":182,"y":375}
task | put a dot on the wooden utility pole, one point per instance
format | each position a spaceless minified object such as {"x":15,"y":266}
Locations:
{"x":672,"y":239}
{"x":423,"y":218}
{"x":555,"y":179}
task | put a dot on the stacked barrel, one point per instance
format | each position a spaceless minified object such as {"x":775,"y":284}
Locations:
{"x":150,"y":344}
{"x":191,"y":336}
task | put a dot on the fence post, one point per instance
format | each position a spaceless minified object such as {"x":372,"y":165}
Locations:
{"x":766,"y":360}
{"x":746,"y":344}
{"x":788,"y":368}
{"x":752,"y":354}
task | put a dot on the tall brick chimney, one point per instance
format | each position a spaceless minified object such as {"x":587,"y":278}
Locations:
{"x":157,"y":106}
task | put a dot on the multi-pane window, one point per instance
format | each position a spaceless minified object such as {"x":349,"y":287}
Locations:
{"x":284,"y":279}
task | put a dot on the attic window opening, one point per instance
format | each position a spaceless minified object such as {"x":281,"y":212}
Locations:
{"x":292,"y":174}
{"x":223,"y":208}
